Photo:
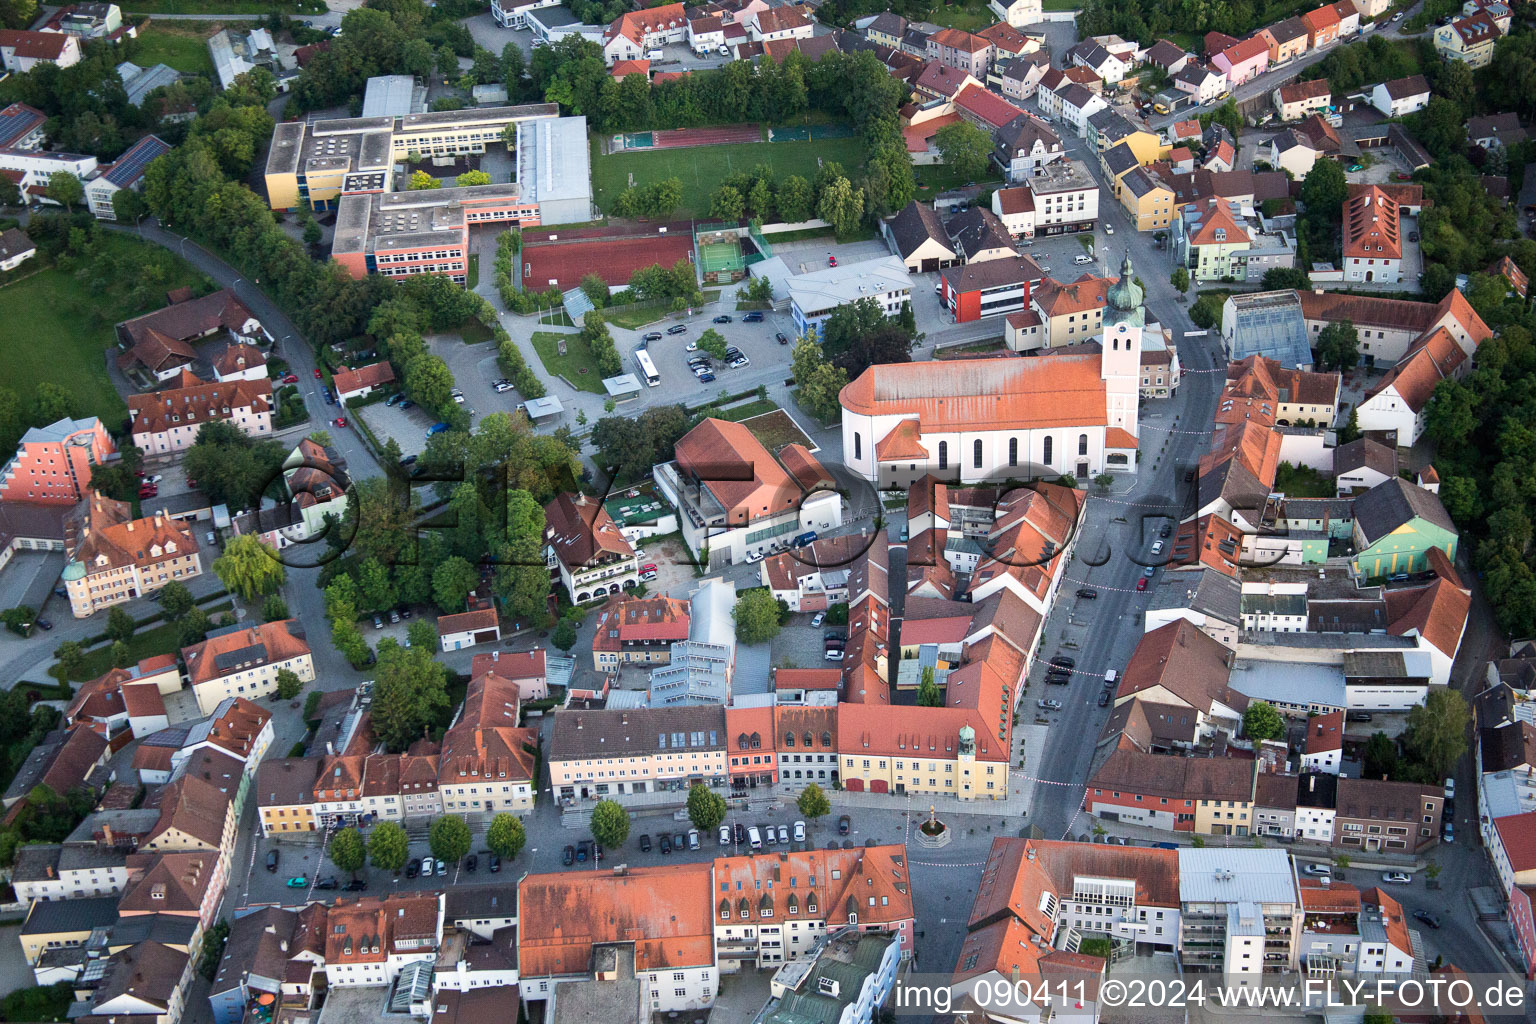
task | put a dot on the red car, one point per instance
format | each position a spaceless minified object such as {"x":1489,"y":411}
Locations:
{"x":831,"y":260}
{"x":317,"y":373}
{"x":291,"y":378}
{"x":340,"y":421}
{"x":148,"y":490}
{"x":1141,"y":584}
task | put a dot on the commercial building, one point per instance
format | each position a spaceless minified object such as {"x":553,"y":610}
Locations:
{"x":699,"y":669}
{"x":637,"y":631}
{"x":814,"y":296}
{"x":168,"y":421}
{"x":1240,"y":913}
{"x":127,"y":171}
{"x":614,"y":752}
{"x":1065,"y":195}
{"x":585,"y":549}
{"x":1268,"y":324}
{"x":991,"y":288}
{"x":736,"y":501}
{"x":53,"y":464}
{"x":114,"y":558}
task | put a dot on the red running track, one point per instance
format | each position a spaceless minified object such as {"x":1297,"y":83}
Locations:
{"x":731,"y":134}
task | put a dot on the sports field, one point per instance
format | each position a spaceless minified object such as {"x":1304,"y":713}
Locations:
{"x":701,"y":169}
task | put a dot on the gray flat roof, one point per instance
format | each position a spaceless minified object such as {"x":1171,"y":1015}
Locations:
{"x":521,"y":112}
{"x":553,"y":161}
{"x":389,"y":96}
{"x":546,"y":406}
{"x":1282,"y":682}
{"x":1235,"y":875}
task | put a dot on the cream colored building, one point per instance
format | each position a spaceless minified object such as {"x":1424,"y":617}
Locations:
{"x":117,"y":558}
{"x":613,"y":752}
{"x":245,"y":661}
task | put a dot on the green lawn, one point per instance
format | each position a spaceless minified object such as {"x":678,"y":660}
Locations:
{"x":702,"y":168}
{"x":578,"y":357}
{"x":473,"y":275}
{"x":939,"y":178}
{"x":971,"y":19}
{"x":737,"y":413}
{"x":146,"y":643}
{"x":1303,"y":482}
{"x":182,"y":45}
{"x":775,"y":430}
{"x":71,"y":327}
{"x":632,"y":318}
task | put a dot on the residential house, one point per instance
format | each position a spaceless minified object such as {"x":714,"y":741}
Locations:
{"x":525,"y":670}
{"x":1021,"y":76}
{"x":1017,"y":13}
{"x":633,"y":34}
{"x":1401,"y":95}
{"x":1077,"y":104}
{"x":244,"y":660}
{"x":637,"y":631}
{"x":1024,"y":145}
{"x":1066,"y":313}
{"x":1089,"y":54}
{"x":467,"y":629}
{"x":1203,"y":83}
{"x":961,"y":50}
{"x":985,"y":109}
{"x":350,"y":384}
{"x":886,"y":29}
{"x":1064,"y":196}
{"x":1169,"y":56}
{"x":1361,"y":465}
{"x":1211,"y":240}
{"x":1468,"y":39}
{"x":1294,"y":151}
{"x":1295,"y":100}
{"x":1287,"y":40}
{"x":1322,"y":26}
{"x":1373,"y":242}
{"x":21,"y":50}
{"x":1400,"y":401}
{"x":778,"y":23}
{"x":1246,"y":58}
{"x":114,"y":558}
{"x":1396,"y":525}
{"x":1202,"y":795}
{"x":285,"y":794}
{"x":1495,"y":131}
{"x":978,"y":236}
{"x":15,"y":249}
{"x":160,"y":343}
{"x":1016,"y":208}
{"x":169,"y":420}
{"x":1323,"y":748}
{"x":941,"y":82}
{"x":239,"y":360}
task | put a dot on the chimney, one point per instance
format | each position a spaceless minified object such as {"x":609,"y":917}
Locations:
{"x":50,"y":871}
{"x":106,"y":833}
{"x":330,"y":748}
{"x":130,"y":526}
{"x":283,"y":945}
{"x":1311,"y":783}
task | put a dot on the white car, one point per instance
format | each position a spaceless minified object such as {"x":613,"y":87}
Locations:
{"x":1317,"y":870}
{"x":1396,"y":878}
{"x":692,"y":346}
{"x":755,"y":556}
{"x":1109,"y":229}
{"x":503,"y":388}
{"x":835,"y":654}
{"x":1049,"y":705}
{"x":428,"y":867}
{"x":818,"y":619}
{"x":799,"y":831}
{"x":725,"y":835}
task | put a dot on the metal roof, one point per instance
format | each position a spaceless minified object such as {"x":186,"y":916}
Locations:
{"x":1232,"y":876}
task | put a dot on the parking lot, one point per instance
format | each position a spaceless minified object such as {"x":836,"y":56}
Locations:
{"x":671,"y":355}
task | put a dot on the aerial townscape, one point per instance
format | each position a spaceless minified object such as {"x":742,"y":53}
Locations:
{"x":1096,"y":548}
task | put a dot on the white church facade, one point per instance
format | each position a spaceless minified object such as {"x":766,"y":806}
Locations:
{"x":1071,"y":411}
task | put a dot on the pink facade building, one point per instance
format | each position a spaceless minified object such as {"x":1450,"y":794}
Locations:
{"x":53,"y":464}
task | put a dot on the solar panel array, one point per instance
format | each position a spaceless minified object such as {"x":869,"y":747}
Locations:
{"x":15,"y":121}
{"x":132,"y":163}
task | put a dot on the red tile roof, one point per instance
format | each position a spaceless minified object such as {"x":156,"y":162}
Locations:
{"x":373,"y":375}
{"x":34,"y":45}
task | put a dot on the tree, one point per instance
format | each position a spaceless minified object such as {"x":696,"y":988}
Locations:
{"x":472,"y":178}
{"x":1380,"y":756}
{"x":610,"y":824}
{"x":451,"y":583}
{"x":389,"y":847}
{"x":1324,"y":189}
{"x":706,"y":808}
{"x":506,"y":836}
{"x":10,"y":192}
{"x":928,"y":693}
{"x":274,"y":608}
{"x":207,"y":964}
{"x":422,"y":633}
{"x":795,"y":199}
{"x":347,"y":851}
{"x":1262,"y":722}
{"x":70,"y":656}
{"x":757,"y":616}
{"x":1351,"y":429}
{"x":727,"y":204}
{"x":565,"y":635}
{"x":122,"y":654}
{"x":312,"y":705}
{"x":175,"y":599}
{"x":194,"y":628}
{"x":250,"y":567}
{"x":521,"y":581}
{"x":813,"y":803}
{"x":127,"y":204}
{"x":713,"y":343}
{"x":312,"y":229}
{"x":965,"y":148}
{"x":841,"y":205}
{"x":1180,"y":280}
{"x":120,"y":625}
{"x":1338,"y":346}
{"x":1436,"y":736}
{"x":1281,"y":278}
{"x":64,"y":188}
{"x":1206,"y":311}
{"x":449,"y":838}
{"x":421,"y":181}
{"x":410,"y":693}
{"x":288,"y":684}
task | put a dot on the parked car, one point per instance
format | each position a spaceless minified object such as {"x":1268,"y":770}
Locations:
{"x":666,"y":843}
{"x":679,"y":329}
{"x":330,"y":396}
{"x":493,"y":864}
{"x":340,"y":421}
{"x":502,"y":387}
{"x":1063,"y":661}
{"x":1424,"y":917}
{"x":1104,"y":698}
{"x":45,"y":624}
{"x":648,"y":572}
{"x":831,"y":260}
{"x":754,"y":838}
{"x":318,"y":374}
{"x":781,"y":339}
{"x":1087,"y":593}
{"x":148,"y":491}
{"x":1317,"y":870}
{"x":1081,"y":258}
{"x":407,"y":404}
{"x":653,"y":336}
{"x":1165,"y":531}
{"x":706,"y":378}
{"x":298,"y":881}
{"x":818,"y":619}
{"x":679,"y":841}
{"x":1141,"y":584}
{"x":1413,"y":236}
{"x":428,"y":867}
{"x":1447,"y":832}
{"x":1396,"y":878}
{"x":290,"y":378}
{"x":413,"y":868}
{"x":471,"y":863}
{"x":272,"y":858}
{"x":1046,"y":704}
{"x":394,"y":616}
{"x":784,"y":834}
{"x":834,"y":654}
{"x":436,"y":428}
{"x":356,"y":885}
{"x":1450,"y":789}
{"x":799,"y":831}
{"x":693,"y":839}
{"x":843,"y":825}
{"x":752,"y":318}
{"x":569,"y":856}
{"x":328,"y":882}
{"x":725,"y":835}
{"x":739,"y":832}
{"x":722,"y":319}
